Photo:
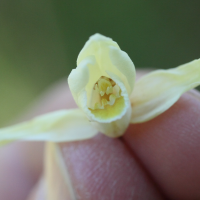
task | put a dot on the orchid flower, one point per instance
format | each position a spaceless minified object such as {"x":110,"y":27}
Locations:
{"x":109,"y":99}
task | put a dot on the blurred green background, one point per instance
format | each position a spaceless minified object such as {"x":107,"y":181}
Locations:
{"x":40,"y":40}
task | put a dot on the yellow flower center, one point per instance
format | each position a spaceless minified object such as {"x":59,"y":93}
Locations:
{"x":108,"y":92}
{"x":107,"y":101}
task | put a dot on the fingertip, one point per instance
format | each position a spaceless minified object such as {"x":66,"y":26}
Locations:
{"x":103,"y":168}
{"x":20,"y":168}
{"x":169,"y":147}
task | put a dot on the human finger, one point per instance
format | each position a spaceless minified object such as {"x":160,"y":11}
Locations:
{"x":169,"y":148}
{"x":99,"y":168}
{"x":21,"y":163}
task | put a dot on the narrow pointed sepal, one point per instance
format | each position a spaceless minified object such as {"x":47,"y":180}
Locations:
{"x":157,"y":91}
{"x":58,"y":126}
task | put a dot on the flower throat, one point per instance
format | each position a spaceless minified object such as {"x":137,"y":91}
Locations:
{"x":107,"y":90}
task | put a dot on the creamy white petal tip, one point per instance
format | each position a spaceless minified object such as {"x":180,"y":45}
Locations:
{"x":110,"y":74}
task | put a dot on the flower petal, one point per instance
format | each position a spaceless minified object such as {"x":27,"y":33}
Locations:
{"x":83,"y":78}
{"x":124,"y":64}
{"x":57,"y":179}
{"x":79,"y":78}
{"x":124,"y":93}
{"x":121,"y":119}
{"x":157,"y":91}
{"x":110,"y":57}
{"x":2,"y":143}
{"x":117,"y":127}
{"x":94,"y":46}
{"x":59,"y":126}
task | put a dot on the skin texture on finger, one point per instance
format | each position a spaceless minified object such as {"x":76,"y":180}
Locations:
{"x":103,"y":169}
{"x":169,"y":148}
{"x":20,"y":168}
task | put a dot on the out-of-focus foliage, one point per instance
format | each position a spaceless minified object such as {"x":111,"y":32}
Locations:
{"x":40,"y":39}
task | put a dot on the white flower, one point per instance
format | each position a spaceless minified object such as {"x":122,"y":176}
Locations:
{"x":103,"y":86}
{"x":102,"y":83}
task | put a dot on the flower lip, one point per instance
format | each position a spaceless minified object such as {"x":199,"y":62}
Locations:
{"x":106,"y":98}
{"x":109,"y":100}
{"x":105,"y":92}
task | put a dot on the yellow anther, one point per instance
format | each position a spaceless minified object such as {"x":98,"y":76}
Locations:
{"x":112,"y":99}
{"x":103,"y":84}
{"x":104,"y":102}
{"x":98,"y":106}
{"x":108,"y":92}
{"x":102,"y":93}
{"x":116,"y":91}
